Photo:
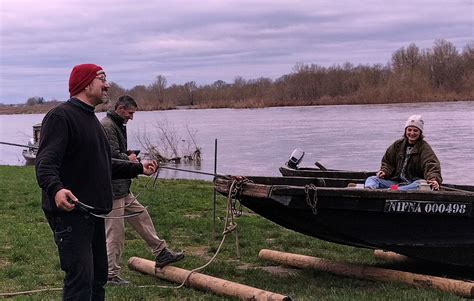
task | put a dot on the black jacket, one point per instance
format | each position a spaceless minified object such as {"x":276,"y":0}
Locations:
{"x":74,"y":154}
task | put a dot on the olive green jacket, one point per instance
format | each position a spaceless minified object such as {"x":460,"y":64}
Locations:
{"x":423,"y":163}
{"x":117,"y":135}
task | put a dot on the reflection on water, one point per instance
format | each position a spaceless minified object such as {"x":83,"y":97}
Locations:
{"x":258,"y":141}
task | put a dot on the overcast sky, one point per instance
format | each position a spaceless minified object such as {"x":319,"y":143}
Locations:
{"x":205,"y":40}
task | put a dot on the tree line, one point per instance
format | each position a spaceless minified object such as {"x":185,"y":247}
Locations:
{"x":439,"y":73}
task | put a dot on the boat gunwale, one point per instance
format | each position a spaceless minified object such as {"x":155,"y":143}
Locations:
{"x":348,"y":189}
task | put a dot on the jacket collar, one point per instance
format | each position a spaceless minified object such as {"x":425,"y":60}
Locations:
{"x":116,"y":118}
{"x":81,"y":104}
{"x":416,"y":146}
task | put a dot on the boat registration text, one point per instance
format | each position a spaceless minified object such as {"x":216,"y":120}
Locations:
{"x":423,"y":207}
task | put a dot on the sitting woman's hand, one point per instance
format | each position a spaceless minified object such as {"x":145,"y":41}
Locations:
{"x":434,"y":184}
{"x":380,"y":174}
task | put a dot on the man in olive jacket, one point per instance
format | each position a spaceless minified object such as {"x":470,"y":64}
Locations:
{"x":124,"y":201}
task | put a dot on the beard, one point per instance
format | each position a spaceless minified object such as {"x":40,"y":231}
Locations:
{"x":105,"y":99}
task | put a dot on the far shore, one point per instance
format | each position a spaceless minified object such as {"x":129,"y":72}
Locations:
{"x":44,"y":108}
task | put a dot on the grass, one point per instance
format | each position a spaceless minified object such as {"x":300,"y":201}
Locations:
{"x":182,"y":213}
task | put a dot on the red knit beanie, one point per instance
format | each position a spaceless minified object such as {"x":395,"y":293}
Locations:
{"x":81,"y":76}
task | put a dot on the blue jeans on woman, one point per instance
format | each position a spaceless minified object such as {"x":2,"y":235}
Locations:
{"x":375,"y":182}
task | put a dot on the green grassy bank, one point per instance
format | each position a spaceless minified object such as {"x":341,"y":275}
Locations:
{"x":182,"y":213}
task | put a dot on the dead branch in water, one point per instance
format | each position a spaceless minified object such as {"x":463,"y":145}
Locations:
{"x":166,"y":145}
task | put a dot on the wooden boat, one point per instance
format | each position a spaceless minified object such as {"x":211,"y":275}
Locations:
{"x":323,"y":172}
{"x":292,"y":169}
{"x":429,"y":225}
{"x":30,"y":153}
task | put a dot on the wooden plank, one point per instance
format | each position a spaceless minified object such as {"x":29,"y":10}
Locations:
{"x":458,"y":287}
{"x":204,"y":282}
{"x":391,"y":256}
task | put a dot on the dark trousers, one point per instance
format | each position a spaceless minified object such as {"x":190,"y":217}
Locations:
{"x":82,"y":253}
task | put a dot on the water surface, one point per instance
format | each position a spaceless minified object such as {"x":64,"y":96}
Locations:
{"x":258,"y":141}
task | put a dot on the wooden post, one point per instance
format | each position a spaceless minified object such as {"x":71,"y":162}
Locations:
{"x":458,"y":287}
{"x":391,"y":256}
{"x":203,"y":282}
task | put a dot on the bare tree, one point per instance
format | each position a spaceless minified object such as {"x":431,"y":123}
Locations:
{"x":445,"y":65}
{"x":36,"y":100}
{"x":194,"y":156}
{"x":413,"y":74}
{"x":165,"y":144}
{"x":158,"y":88}
{"x":115,"y":91}
{"x":190,"y":88}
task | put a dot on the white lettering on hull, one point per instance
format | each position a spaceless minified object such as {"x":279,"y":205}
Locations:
{"x":421,"y":207}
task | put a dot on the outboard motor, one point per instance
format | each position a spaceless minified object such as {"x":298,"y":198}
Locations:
{"x":295,"y":158}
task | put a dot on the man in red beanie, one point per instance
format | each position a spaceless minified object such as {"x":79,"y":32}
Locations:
{"x":74,"y":169}
{"x":82,"y":76}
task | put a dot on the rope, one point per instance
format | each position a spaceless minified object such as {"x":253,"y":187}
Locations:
{"x":121,"y":160}
{"x":12,"y":294}
{"x":234,"y":191}
{"x":3,"y":295}
{"x":20,"y":145}
{"x":190,"y":272}
{"x":312,"y":201}
{"x":455,"y":189}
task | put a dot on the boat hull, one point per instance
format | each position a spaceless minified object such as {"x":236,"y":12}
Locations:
{"x":402,"y":222}
{"x":30,"y":156}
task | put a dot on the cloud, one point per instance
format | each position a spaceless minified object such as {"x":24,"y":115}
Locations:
{"x":208,"y":40}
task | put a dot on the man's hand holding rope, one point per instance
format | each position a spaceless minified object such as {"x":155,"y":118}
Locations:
{"x":149,"y":167}
{"x":65,"y":199}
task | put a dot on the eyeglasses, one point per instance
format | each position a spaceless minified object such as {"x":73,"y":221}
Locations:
{"x":102,"y":78}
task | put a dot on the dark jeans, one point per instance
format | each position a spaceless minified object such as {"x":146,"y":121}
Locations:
{"x":82,"y":253}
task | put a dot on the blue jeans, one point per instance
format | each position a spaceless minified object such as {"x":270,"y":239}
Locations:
{"x":82,"y":253}
{"x":375,"y":182}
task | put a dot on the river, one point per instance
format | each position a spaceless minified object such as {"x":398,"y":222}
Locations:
{"x":259,"y":141}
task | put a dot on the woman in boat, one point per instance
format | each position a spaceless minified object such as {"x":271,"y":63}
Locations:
{"x":408,"y":162}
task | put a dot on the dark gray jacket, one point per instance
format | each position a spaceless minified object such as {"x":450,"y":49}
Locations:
{"x":117,"y":136}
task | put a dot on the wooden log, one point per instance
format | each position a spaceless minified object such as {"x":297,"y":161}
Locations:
{"x":203,"y":282}
{"x":391,"y":256}
{"x":458,"y":287}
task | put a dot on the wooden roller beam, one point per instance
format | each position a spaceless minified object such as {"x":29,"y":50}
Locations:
{"x":203,"y":282}
{"x":458,"y":287}
{"x":391,"y":256}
